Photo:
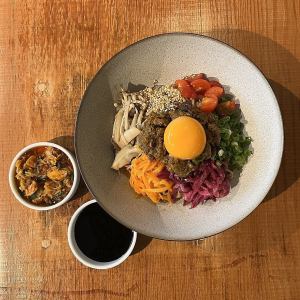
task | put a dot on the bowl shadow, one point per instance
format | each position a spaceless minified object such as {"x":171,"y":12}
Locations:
{"x":290,"y":165}
{"x":142,"y":242}
{"x":275,"y":62}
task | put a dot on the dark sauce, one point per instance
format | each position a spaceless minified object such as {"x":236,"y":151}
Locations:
{"x":99,"y":236}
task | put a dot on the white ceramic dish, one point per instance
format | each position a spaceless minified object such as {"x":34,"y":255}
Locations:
{"x":14,"y":188}
{"x":82,"y":257}
{"x":166,"y":58}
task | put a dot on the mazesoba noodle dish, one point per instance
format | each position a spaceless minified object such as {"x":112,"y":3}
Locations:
{"x":180,"y":141}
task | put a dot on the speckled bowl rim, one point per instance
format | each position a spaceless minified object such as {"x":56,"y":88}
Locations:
{"x":280,"y":134}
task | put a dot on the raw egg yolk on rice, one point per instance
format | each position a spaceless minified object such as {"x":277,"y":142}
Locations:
{"x":185,"y":138}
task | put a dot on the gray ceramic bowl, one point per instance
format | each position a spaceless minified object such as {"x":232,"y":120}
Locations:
{"x":168,"y":57}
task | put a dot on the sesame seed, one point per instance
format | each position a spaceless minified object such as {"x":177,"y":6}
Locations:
{"x":162,"y":98}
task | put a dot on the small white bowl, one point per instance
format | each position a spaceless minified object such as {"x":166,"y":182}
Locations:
{"x":82,"y":257}
{"x":15,"y":189}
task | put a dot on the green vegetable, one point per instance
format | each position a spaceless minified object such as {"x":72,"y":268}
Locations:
{"x":234,"y":145}
{"x":226,"y":97}
{"x":206,"y":154}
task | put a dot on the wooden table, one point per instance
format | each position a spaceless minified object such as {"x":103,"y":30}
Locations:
{"x":49,"y":51}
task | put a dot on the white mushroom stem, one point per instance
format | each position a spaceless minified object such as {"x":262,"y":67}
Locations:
{"x":121,"y":136}
{"x":139,"y":120}
{"x":122,"y":142}
{"x":117,"y":126}
{"x":142,"y":101}
{"x":126,"y":124}
{"x":141,"y":98}
{"x":133,"y":97}
{"x":131,"y":134}
{"x":125,"y":155}
{"x":125,"y":98}
{"x":134,"y":119}
{"x":125,"y":129}
{"x":127,"y":107}
{"x":121,"y":129}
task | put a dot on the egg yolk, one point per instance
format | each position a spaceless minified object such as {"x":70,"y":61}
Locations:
{"x":185,"y":138}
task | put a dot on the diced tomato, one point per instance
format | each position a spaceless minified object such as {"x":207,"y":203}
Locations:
{"x":180,"y":83}
{"x":209,"y":104}
{"x":185,"y":89}
{"x":194,"y":77}
{"x":200,"y":85}
{"x":215,"y":83}
{"x":214,"y":90}
{"x":189,"y":93}
{"x":230,"y":105}
{"x":226,"y":108}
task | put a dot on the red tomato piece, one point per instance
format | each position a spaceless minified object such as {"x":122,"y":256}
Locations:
{"x":200,"y":85}
{"x":230,"y":105}
{"x":181,"y":83}
{"x":185,"y":89}
{"x":189,"y":93}
{"x":194,"y":77}
{"x":226,"y":108}
{"x":214,"y":90}
{"x":209,"y":104}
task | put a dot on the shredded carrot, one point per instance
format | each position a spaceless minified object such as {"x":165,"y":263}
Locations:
{"x":144,"y":179}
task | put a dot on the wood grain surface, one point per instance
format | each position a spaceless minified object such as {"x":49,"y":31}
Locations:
{"x":49,"y":51}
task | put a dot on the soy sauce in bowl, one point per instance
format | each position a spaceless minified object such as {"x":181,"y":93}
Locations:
{"x":98,"y":240}
{"x":99,"y":236}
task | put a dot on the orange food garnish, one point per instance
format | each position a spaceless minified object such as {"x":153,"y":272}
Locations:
{"x":145,"y":181}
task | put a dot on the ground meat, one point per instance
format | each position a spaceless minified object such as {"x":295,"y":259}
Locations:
{"x":188,"y":109}
{"x":151,"y":138}
{"x":180,"y":167}
{"x":213,"y":134}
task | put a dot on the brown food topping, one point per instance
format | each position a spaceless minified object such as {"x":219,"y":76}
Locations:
{"x":57,"y":174}
{"x":44,"y":175}
{"x":31,"y":189}
{"x":30,"y":162}
{"x":151,"y":138}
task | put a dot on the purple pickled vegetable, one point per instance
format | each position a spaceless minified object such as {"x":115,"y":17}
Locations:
{"x":208,"y":182}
